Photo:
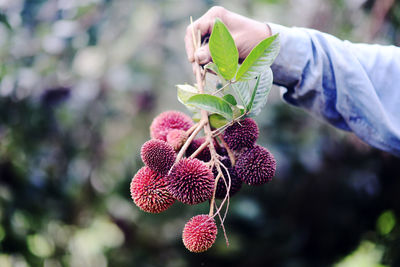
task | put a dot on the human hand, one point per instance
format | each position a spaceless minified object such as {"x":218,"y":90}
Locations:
{"x":246,"y":33}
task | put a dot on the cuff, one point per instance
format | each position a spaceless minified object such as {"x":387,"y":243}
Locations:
{"x":295,"y":46}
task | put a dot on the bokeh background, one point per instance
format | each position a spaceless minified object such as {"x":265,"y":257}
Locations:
{"x":81,"y":80}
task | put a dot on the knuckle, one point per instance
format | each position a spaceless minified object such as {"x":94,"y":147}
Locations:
{"x":217,"y":10}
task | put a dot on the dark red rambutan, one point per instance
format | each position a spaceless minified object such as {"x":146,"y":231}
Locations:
{"x":199,"y":233}
{"x":149,"y":191}
{"x":256,"y":166}
{"x":176,"y":138}
{"x":236,"y":182}
{"x":204,"y":155}
{"x":241,"y":134}
{"x":167,"y":121}
{"x":191,"y":181}
{"x":158,"y":155}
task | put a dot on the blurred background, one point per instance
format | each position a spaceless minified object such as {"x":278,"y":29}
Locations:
{"x":81,"y":80}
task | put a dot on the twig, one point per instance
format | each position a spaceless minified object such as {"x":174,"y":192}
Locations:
{"x":187,"y":143}
{"x":198,"y":150}
{"x":228,"y":150}
{"x":222,"y":88}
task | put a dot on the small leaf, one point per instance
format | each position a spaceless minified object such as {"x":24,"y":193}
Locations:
{"x":223,"y":50}
{"x":217,"y":121}
{"x":261,"y":57}
{"x":196,"y":117}
{"x":253,"y":95}
{"x":264,"y":87}
{"x":230,"y":99}
{"x":212,"y":67}
{"x":211,"y":104}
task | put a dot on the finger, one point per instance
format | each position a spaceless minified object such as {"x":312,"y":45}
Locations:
{"x":202,"y":55}
{"x":204,"y":24}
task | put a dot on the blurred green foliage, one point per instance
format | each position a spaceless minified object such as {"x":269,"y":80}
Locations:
{"x":80,"y":82}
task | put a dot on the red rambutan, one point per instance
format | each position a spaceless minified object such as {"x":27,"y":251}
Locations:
{"x":149,"y":191}
{"x":158,"y":155}
{"x":167,"y":121}
{"x":241,"y":134}
{"x":191,"y":181}
{"x":199,"y":233}
{"x":256,"y":166}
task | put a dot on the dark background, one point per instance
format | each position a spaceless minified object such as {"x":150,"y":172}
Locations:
{"x":80,"y":82}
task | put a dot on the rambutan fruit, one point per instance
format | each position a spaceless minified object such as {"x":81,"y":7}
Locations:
{"x":176,"y":138}
{"x":191,"y":181}
{"x":158,"y":155}
{"x":199,"y":233}
{"x":167,"y":121}
{"x":241,"y":134}
{"x":204,"y":155}
{"x":256,"y":166}
{"x":236,"y":182}
{"x":149,"y":191}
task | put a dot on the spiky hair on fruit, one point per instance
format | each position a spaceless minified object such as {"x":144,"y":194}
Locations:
{"x":158,"y":155}
{"x":204,"y":155}
{"x":236,"y":182}
{"x":241,"y":134}
{"x":256,"y":166}
{"x":199,"y":233}
{"x":176,"y":138}
{"x":149,"y":191}
{"x":191,"y":181}
{"x":167,"y":121}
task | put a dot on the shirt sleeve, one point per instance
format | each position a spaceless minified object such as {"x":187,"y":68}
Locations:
{"x":355,"y":87}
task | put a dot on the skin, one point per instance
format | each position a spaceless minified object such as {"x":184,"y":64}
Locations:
{"x":246,"y":32}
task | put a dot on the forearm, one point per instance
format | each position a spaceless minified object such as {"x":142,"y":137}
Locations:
{"x":352,"y":86}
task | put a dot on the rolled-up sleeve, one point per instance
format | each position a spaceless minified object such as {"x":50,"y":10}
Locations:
{"x":355,"y":87}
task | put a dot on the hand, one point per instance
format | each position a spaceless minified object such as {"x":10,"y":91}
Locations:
{"x":246,"y":33}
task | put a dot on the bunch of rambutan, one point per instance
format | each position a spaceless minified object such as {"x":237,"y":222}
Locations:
{"x":192,"y":170}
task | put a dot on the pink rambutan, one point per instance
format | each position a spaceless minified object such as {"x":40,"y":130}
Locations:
{"x":241,"y":134}
{"x":191,"y":181}
{"x":158,"y":155}
{"x":167,"y":121}
{"x":149,"y":191}
{"x":256,"y":166}
{"x":199,"y":233}
{"x":176,"y":138}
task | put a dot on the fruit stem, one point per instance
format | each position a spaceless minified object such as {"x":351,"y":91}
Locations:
{"x":191,"y":129}
{"x":188,"y":141}
{"x":201,"y":148}
{"x":228,"y":150}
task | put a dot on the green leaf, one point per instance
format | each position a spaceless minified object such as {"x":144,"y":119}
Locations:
{"x":242,"y":90}
{"x":261,"y":57}
{"x":211,"y":104}
{"x":253,"y":95}
{"x":185,"y":91}
{"x":263,"y":89}
{"x":217,"y":121}
{"x":223,"y":50}
{"x":230,"y":99}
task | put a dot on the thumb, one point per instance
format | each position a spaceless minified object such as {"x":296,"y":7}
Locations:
{"x":202,"y":55}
